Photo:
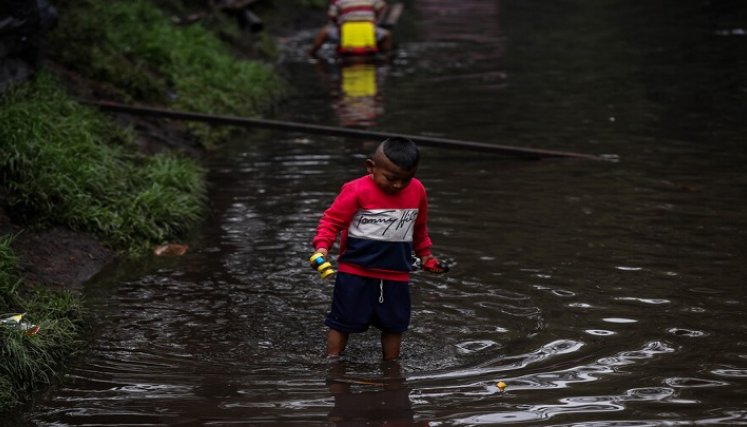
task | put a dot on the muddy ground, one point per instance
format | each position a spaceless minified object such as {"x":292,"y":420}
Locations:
{"x":56,"y":257}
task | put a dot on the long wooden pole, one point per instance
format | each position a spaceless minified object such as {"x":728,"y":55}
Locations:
{"x":337,"y":131}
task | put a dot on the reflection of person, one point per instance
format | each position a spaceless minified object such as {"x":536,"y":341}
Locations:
{"x":359,"y":103}
{"x":382,"y":217}
{"x":353,"y":27}
{"x":390,"y":405}
{"x":354,"y":84}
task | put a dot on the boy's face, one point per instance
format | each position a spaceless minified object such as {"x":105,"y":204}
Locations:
{"x":389,"y":177}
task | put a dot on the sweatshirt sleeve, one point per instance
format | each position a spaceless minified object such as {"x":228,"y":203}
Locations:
{"x":336,"y":218}
{"x":421,"y":240}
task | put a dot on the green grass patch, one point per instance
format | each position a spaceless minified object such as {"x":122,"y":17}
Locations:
{"x":28,"y":363}
{"x":143,"y":56}
{"x":64,"y":163}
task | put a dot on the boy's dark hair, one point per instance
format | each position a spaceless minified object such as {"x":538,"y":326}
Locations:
{"x":401,"y":151}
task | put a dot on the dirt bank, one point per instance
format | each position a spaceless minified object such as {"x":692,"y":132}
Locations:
{"x":55,"y":257}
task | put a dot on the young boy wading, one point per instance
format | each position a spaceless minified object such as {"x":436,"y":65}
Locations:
{"x":382,"y":217}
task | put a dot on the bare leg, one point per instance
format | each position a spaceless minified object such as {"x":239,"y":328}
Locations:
{"x":385,"y":42}
{"x":319,"y":40}
{"x":336,"y":342}
{"x":390,"y":345}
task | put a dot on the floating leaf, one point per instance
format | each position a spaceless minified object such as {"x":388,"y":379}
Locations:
{"x":170,"y":249}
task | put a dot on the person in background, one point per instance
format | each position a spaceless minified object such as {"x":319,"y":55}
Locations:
{"x":353,"y":28}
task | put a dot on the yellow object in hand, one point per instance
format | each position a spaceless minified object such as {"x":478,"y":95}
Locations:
{"x":321,"y":265}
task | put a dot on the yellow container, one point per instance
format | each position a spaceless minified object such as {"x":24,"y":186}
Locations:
{"x":358,"y":37}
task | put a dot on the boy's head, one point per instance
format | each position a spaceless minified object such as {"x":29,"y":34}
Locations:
{"x":394,"y":164}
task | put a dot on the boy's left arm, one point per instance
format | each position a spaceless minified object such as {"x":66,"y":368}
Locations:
{"x":422,"y":242}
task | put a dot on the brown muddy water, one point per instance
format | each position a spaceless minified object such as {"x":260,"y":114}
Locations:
{"x":603,"y":293}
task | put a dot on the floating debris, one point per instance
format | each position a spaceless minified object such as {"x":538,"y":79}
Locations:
{"x":168,"y":249}
{"x":12,"y":319}
{"x":15,"y":321}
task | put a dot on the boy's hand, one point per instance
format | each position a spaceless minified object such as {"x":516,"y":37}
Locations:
{"x":431,"y":264}
{"x":321,"y":251}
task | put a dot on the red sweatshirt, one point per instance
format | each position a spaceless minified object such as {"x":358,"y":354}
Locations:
{"x":379,"y":231}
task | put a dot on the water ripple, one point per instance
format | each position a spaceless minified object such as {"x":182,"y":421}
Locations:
{"x":681,"y":382}
{"x":733,"y":373}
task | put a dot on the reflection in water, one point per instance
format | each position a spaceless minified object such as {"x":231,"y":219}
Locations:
{"x":357,"y":99}
{"x":371,"y":401}
{"x":359,"y":103}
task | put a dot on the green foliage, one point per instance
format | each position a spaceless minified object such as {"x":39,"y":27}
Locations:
{"x":83,"y":42}
{"x":64,"y":163}
{"x":29,"y":362}
{"x":8,"y":284}
{"x":170,"y":199}
{"x":267,"y":46}
{"x":8,"y":395}
{"x":8,"y":280}
{"x":136,"y":48}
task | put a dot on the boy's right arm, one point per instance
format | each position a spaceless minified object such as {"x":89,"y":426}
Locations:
{"x":335,"y":219}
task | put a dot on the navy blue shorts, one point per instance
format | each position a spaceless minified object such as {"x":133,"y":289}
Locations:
{"x":359,"y":302}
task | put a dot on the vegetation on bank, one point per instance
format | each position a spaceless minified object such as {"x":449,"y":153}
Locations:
{"x":66,"y":164}
{"x":30,"y":361}
{"x":140,"y":55}
{"x":63,"y":163}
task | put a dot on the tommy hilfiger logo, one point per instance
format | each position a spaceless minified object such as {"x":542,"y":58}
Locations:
{"x":394,"y":225}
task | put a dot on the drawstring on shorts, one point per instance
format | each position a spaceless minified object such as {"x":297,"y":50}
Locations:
{"x":381,"y":292}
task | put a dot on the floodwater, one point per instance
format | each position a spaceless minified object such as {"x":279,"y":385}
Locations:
{"x":603,"y":293}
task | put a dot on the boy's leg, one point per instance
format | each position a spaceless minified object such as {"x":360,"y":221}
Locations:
{"x":383,"y":40}
{"x":351,"y":309}
{"x":319,"y":40}
{"x":336,"y":342}
{"x":390,"y":345}
{"x":392,"y":316}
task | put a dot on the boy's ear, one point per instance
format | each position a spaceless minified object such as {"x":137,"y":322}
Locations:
{"x":370,"y":165}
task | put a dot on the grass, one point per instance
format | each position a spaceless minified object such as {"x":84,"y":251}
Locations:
{"x":63,"y":163}
{"x":31,"y":362}
{"x":134,"y":47}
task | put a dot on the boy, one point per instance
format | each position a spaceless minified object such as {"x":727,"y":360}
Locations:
{"x":382,"y":217}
